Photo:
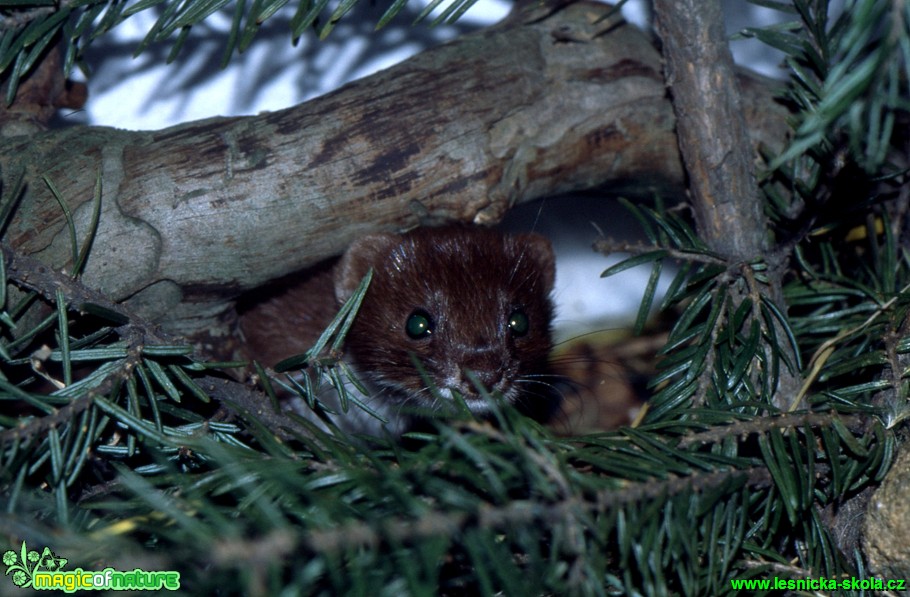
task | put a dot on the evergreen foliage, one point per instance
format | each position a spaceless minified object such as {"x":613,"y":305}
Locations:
{"x":146,"y":454}
{"x":29,"y":27}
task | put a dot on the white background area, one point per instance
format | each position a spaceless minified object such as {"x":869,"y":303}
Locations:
{"x":144,"y":93}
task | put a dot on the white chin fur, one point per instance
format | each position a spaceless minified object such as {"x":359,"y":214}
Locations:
{"x":478,"y":405}
{"x":356,"y":420}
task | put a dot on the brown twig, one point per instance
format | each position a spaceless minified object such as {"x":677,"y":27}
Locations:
{"x":29,"y":273}
{"x":714,"y":142}
{"x":520,"y":512}
{"x":31,"y":428}
{"x":743,"y":429}
{"x":711,"y":128}
{"x":607,"y":247}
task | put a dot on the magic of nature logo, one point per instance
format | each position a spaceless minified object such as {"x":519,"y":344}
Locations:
{"x":44,"y":571}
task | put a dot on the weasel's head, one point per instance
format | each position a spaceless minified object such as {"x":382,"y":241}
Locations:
{"x":458,"y":299}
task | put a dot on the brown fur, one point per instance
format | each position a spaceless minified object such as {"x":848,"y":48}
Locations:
{"x":469,"y":281}
{"x":287,"y":318}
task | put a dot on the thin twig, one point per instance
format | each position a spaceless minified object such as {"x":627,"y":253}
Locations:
{"x":824,"y":352}
{"x":521,"y":512}
{"x":29,"y":273}
{"x":607,"y":247}
{"x":743,"y":429}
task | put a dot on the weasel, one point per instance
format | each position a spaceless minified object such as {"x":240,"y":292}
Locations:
{"x":455,"y":298}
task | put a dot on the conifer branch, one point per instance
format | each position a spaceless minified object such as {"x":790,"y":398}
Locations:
{"x":743,"y":429}
{"x":711,"y":127}
{"x":523,"y":512}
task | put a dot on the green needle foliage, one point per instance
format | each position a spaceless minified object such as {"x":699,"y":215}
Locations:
{"x":29,"y":27}
{"x":120,"y":447}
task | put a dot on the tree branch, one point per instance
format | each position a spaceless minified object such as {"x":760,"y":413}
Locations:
{"x":195,"y":214}
{"x":238,"y":398}
{"x":713,"y":138}
{"x":716,"y":149}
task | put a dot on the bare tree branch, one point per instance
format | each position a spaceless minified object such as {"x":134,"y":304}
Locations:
{"x":713,"y":138}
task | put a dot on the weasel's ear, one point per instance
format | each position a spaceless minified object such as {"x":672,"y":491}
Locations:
{"x":538,"y":249}
{"x":369,"y":251}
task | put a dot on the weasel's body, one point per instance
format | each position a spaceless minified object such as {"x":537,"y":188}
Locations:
{"x":455,"y":298}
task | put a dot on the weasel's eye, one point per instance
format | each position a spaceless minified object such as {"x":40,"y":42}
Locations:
{"x":518,"y":323}
{"x":419,"y":325}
